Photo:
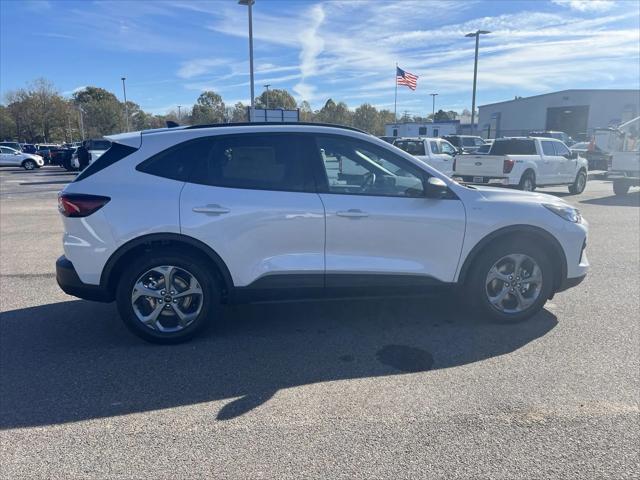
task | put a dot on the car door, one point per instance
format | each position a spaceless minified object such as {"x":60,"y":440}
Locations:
{"x":380,"y":227}
{"x":437,"y":159}
{"x":567,"y":166}
{"x":4,"y":157}
{"x":549,"y":165}
{"x":251,"y":198}
{"x":10,"y":157}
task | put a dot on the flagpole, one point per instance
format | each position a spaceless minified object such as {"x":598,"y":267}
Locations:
{"x":395,"y":100}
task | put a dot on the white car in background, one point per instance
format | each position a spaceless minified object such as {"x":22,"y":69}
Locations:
{"x":96,"y":148}
{"x":171,"y":223}
{"x":525,"y":163}
{"x":10,"y":157}
{"x":435,"y":152}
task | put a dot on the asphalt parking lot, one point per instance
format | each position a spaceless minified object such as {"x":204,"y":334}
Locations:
{"x":395,"y":388}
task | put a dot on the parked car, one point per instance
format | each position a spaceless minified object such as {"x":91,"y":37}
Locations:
{"x":525,"y":163}
{"x":596,"y":157}
{"x":10,"y":157}
{"x":172,"y":223}
{"x":465,"y":143}
{"x":28,"y":148}
{"x":625,"y":163}
{"x":13,"y":145}
{"x":436,"y":152}
{"x":62,"y":157}
{"x":388,"y":139}
{"x":563,"y":137}
{"x":97,"y":147}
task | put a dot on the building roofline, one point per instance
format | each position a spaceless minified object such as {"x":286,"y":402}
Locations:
{"x":621,"y":90}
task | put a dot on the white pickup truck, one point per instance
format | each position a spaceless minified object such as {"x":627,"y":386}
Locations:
{"x":435,"y":152}
{"x":624,"y":144}
{"x":525,"y":163}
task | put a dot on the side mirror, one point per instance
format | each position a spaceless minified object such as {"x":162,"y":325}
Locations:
{"x":435,"y":188}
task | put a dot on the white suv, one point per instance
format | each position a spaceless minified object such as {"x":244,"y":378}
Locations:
{"x":173,"y":222}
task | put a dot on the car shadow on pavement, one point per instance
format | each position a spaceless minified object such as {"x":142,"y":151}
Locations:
{"x":74,"y":360}
{"x":631,"y":199}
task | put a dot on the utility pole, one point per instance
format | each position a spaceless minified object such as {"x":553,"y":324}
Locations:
{"x":126,"y":109}
{"x":475,"y":34}
{"x":433,"y":110}
{"x":249,"y":4}
{"x":80,"y":112}
{"x":179,"y":106}
{"x":267,"y":94}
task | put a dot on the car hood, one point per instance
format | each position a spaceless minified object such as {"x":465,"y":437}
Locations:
{"x":495,"y":194}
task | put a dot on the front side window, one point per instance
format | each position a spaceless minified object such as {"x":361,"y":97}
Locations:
{"x":447,"y":148}
{"x":561,"y":149}
{"x":547,"y":148}
{"x":478,"y":141}
{"x":359,"y":168}
{"x":434,"y":147}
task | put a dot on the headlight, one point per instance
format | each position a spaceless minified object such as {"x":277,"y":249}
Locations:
{"x":570,"y":214}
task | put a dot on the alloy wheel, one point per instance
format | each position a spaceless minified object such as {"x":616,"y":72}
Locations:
{"x":513,"y":283}
{"x":167,"y":298}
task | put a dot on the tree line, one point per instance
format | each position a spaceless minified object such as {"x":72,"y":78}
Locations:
{"x":38,"y":113}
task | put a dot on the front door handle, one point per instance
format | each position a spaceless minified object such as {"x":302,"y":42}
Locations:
{"x":352,"y":213}
{"x":211,"y":209}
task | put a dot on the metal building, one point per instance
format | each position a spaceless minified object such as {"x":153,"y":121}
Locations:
{"x":576,"y":112}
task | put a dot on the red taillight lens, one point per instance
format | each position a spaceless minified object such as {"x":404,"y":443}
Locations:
{"x":80,"y":205}
{"x":507,"y":166}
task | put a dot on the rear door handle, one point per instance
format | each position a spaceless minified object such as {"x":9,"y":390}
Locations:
{"x":352,"y":213}
{"x":211,"y":209}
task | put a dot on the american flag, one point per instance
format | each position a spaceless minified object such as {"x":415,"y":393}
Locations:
{"x":406,"y":78}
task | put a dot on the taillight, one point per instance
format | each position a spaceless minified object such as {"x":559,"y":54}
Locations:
{"x":507,"y":165}
{"x":80,"y":205}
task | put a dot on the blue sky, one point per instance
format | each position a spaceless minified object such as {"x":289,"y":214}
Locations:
{"x":172,"y":50}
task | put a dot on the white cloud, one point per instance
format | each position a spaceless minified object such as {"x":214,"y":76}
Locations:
{"x":200,"y":66}
{"x":312,"y":45}
{"x":586,"y":5}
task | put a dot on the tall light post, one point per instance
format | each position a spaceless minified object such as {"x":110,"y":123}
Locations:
{"x":179,"y":107}
{"x":249,"y":4}
{"x":267,"y":94}
{"x":476,"y":34}
{"x":433,"y":111}
{"x":126,"y":109}
{"x":80,"y":114}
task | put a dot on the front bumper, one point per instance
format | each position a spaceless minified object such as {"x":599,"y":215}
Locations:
{"x":70,"y":283}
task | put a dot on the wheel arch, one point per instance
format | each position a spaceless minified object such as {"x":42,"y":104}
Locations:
{"x":514,"y":231}
{"x":120,"y":258}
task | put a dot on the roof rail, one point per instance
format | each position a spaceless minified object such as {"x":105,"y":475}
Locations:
{"x":247,"y":124}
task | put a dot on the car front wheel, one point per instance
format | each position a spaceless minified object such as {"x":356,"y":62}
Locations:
{"x":29,"y":165}
{"x":579,"y":183}
{"x":167,"y":297}
{"x":510,"y":281}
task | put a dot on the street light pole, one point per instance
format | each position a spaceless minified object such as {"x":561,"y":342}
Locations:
{"x":267,"y":94}
{"x":476,"y":34}
{"x":179,"y":106}
{"x":249,"y":4}
{"x":126,"y":109}
{"x":433,"y":112}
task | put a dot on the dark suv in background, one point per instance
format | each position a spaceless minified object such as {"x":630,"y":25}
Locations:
{"x":465,"y":143}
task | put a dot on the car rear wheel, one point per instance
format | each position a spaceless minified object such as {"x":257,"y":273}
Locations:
{"x":168,"y":297}
{"x":579,"y":183}
{"x":29,"y":165}
{"x":528,"y":182}
{"x":510,"y":281}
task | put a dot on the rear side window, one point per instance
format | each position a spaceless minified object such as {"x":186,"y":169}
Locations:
{"x":453,"y":140}
{"x":176,"y":162}
{"x":468,"y":142}
{"x":258,"y":162}
{"x":412,"y":147}
{"x":547,"y":148}
{"x":99,"y":144}
{"x":116,"y":153}
{"x":514,"y":146}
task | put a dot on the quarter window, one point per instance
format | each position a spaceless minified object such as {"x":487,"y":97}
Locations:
{"x":447,"y":148}
{"x":359,"y":168}
{"x":434,"y":147}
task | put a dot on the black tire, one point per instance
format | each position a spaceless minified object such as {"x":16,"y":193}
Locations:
{"x":476,"y":284}
{"x":29,"y":165}
{"x":579,"y":184}
{"x":210,"y":311}
{"x":621,"y":186}
{"x":528,"y":181}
